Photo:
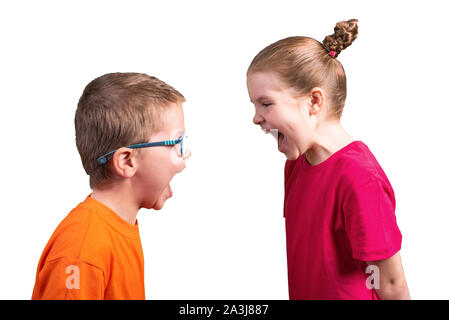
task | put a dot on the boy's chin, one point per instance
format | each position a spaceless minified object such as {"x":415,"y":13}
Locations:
{"x":163,"y":197}
{"x":157,"y":202}
{"x":158,"y":205}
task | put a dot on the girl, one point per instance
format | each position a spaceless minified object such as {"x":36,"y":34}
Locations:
{"x":343,"y":241}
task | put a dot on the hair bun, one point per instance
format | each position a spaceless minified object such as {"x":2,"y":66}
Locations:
{"x":345,"y":32}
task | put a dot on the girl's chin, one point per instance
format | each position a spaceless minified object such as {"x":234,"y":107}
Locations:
{"x":292,"y":154}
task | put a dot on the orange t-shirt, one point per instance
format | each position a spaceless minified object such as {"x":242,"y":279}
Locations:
{"x":93,"y":254}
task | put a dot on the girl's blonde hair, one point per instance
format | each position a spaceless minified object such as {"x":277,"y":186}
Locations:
{"x":304,"y":63}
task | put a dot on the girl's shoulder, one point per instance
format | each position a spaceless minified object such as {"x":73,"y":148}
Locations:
{"x":359,"y":166}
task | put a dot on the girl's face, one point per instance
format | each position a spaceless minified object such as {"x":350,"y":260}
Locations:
{"x":277,"y":108}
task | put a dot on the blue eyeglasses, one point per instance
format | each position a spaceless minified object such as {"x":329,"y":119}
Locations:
{"x":178,"y":142}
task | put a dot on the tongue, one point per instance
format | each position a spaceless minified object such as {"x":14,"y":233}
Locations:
{"x":280,"y":138}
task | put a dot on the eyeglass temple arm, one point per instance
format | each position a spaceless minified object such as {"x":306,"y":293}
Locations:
{"x":103,"y":159}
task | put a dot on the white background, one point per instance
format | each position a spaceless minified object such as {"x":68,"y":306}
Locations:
{"x":221,"y":236}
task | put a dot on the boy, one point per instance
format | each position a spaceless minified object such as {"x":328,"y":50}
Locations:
{"x":129,"y":133}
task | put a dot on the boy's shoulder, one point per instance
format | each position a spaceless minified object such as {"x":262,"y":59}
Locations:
{"x":82,"y":235}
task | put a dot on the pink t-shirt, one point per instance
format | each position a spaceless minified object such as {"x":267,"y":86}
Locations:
{"x":338,"y":215}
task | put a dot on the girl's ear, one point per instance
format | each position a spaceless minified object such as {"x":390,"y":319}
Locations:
{"x":316,"y":100}
{"x":123,"y":163}
{"x":317,"y":95}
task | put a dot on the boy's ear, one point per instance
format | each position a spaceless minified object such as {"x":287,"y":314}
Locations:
{"x":123,"y":163}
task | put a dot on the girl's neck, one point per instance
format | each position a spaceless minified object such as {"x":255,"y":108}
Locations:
{"x":329,"y":138}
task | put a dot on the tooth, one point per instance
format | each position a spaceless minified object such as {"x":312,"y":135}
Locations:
{"x":275,"y":133}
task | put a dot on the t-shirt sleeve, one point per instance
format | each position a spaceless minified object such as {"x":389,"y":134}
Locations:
{"x":370,"y":222}
{"x":65,"y":279}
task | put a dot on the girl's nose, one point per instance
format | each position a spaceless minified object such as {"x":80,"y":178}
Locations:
{"x":257,"y":119}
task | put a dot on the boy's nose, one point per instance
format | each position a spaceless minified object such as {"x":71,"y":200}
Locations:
{"x":187,"y":155}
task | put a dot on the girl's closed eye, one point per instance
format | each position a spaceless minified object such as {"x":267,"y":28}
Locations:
{"x":266,"y":104}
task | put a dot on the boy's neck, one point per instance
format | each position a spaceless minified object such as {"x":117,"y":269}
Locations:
{"x":119,"y":200}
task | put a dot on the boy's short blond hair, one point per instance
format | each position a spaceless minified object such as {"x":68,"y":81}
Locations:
{"x":116,"y":110}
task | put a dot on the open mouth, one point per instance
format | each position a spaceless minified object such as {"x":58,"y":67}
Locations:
{"x":170,"y":191}
{"x":281,"y":140}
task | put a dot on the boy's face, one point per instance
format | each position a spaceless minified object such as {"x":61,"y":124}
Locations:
{"x":158,"y":165}
{"x":277,"y":108}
